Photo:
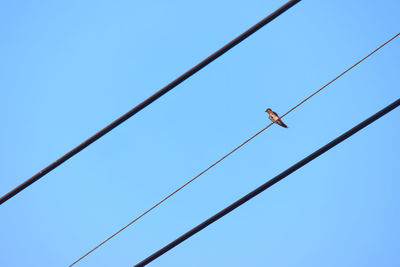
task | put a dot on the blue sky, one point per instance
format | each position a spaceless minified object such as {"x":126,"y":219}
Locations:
{"x":68,"y":68}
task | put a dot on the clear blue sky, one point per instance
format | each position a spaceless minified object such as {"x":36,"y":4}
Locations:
{"x":68,"y":68}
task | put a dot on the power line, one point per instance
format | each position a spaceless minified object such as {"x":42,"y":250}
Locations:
{"x":271,"y":182}
{"x":150,"y":100}
{"x":228,"y":154}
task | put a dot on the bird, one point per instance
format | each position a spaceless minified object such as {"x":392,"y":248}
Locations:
{"x":275,"y":118}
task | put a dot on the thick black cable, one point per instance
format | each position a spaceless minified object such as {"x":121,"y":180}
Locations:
{"x":271,"y":182}
{"x":149,"y":100}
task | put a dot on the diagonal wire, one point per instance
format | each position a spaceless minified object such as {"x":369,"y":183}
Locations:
{"x":150,"y":99}
{"x":341,"y":74}
{"x":232,"y":151}
{"x":270,"y":183}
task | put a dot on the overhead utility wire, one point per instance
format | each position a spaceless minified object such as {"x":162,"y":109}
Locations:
{"x":226,"y":155}
{"x":150,"y":100}
{"x":271,"y":182}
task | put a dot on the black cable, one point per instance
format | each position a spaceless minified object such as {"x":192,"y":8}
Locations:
{"x":268,"y":184}
{"x":149,"y":100}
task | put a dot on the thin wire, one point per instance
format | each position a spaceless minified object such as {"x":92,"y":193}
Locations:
{"x":341,"y":74}
{"x":226,"y":155}
{"x":269,"y":183}
{"x":150,"y":100}
{"x":165,"y":198}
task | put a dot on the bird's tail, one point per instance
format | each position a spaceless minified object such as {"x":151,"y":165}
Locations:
{"x":281,"y":124}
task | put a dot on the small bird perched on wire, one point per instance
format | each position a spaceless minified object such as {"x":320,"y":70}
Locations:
{"x":275,"y":118}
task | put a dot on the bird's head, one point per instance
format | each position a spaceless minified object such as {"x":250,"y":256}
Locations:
{"x":268,"y":110}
